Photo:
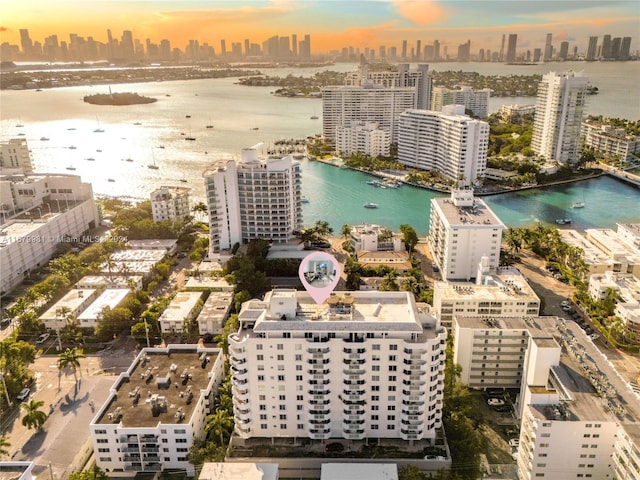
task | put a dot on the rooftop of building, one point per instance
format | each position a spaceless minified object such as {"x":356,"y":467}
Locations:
{"x":153,"y":244}
{"x":538,"y":327}
{"x":627,"y":285}
{"x":609,"y":240}
{"x":133,"y":266}
{"x":216,"y":307}
{"x":162,"y":386}
{"x":591,"y":254}
{"x":72,"y":300}
{"x":204,"y":281}
{"x":181,"y":306}
{"x":369,"y":229}
{"x":171,"y":190}
{"x":139,"y":255}
{"x":17,"y":230}
{"x":114,"y":281}
{"x":476,"y":215}
{"x":239,"y":471}
{"x":360,"y":311}
{"x":501,"y":284}
{"x":359,"y":471}
{"x":109,"y":298}
{"x":633,"y":228}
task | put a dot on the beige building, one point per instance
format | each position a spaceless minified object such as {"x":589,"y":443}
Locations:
{"x":363,"y":137}
{"x":15,"y":157}
{"x":611,"y":142}
{"x":170,"y":203}
{"x":183,"y":308}
{"x":375,"y":238}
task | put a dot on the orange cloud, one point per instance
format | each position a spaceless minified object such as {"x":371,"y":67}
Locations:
{"x":356,"y":37}
{"x":421,"y":12}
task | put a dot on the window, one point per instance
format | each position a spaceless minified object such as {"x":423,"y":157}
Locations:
{"x":376,"y":346}
{"x":280,"y":346}
{"x":261,"y":378}
{"x":298,"y":378}
{"x":263,"y":426}
{"x":282,"y":397}
{"x":392,"y":378}
{"x":283,"y":407}
{"x":182,"y":449}
{"x":391,"y":427}
{"x":260,"y":358}
{"x":280,"y":358}
{"x":299,"y":398}
{"x":393,"y":368}
{"x":262,"y":398}
{"x":375,"y":398}
{"x":283,"y":416}
{"x":375,"y":388}
{"x":375,"y":378}
{"x":392,"y":358}
{"x":103,"y":432}
{"x":298,"y":357}
{"x":104,"y":450}
{"x":374,"y":427}
{"x":391,"y":417}
{"x":375,"y":368}
{"x":181,"y":440}
{"x":298,"y":368}
{"x":263,"y":407}
{"x":391,"y":408}
{"x":259,"y":346}
{"x":102,"y":440}
{"x":375,"y":408}
{"x":299,"y":407}
{"x":393,"y":347}
{"x":263,"y":416}
{"x":105,"y":459}
{"x":300,"y":426}
{"x":283,"y":426}
{"x":374,"y":417}
{"x":281,"y":378}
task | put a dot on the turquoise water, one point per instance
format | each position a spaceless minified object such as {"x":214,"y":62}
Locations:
{"x":338,"y":195}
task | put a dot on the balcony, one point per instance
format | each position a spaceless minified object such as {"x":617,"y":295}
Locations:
{"x":240,"y":394}
{"x":151,"y":449}
{"x":320,"y":402}
{"x":354,"y":350}
{"x":314,"y":422}
{"x":315,"y":371}
{"x":319,"y":392}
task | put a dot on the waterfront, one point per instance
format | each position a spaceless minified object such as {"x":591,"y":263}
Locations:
{"x":137,"y":132}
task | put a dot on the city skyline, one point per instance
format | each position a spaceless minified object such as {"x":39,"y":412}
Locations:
{"x":333,"y":25}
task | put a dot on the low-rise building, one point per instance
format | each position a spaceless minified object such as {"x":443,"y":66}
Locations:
{"x":630,"y":234}
{"x":183,"y":308}
{"x":169,"y":245}
{"x":155,"y":410}
{"x":399,"y":261}
{"x":170,"y":203}
{"x":596,"y":260}
{"x":625,"y":258}
{"x":133,"y":282}
{"x":15,"y":157}
{"x":68,"y":307}
{"x":515,"y":113}
{"x":110,"y":298}
{"x":214,"y":313}
{"x":359,"y":471}
{"x":628,"y":289}
{"x":499,"y":292}
{"x":609,"y":141}
{"x":476,"y":101}
{"x":363,"y":137}
{"x":239,"y":471}
{"x":17,"y":470}
{"x":374,"y":238}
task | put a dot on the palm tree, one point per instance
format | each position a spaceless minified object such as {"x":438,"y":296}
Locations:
{"x":4,"y":444}
{"x":219,"y":423}
{"x":345,"y":231}
{"x":34,"y":417}
{"x":322,"y":228}
{"x":71,"y":358}
{"x":200,"y":209}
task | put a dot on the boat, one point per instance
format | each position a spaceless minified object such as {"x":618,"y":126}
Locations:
{"x":19,"y":125}
{"x":304,"y":200}
{"x":43,"y":139}
{"x":72,"y":147}
{"x":372,"y":182}
{"x":98,"y":129}
{"x":183,"y":180}
{"x":314,"y":117}
{"x":187,"y":116}
{"x":128,"y":160}
{"x":254,"y":128}
{"x":99,"y":151}
{"x":190,"y":138}
{"x":71,"y":128}
{"x":110,"y":180}
{"x":563,"y":221}
{"x":71,"y":167}
{"x":153,"y":166}
{"x":578,"y":205}
{"x":370,"y":205}
{"x":209,"y":126}
{"x":137,"y":123}
{"x":90,"y":159}
{"x":160,"y":146}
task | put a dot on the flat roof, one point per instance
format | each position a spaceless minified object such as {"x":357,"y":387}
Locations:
{"x":359,"y":471}
{"x":591,"y":253}
{"x":72,"y":300}
{"x":143,"y":267}
{"x":109,"y":298}
{"x":138,"y":255}
{"x":477,"y":216}
{"x":206,"y":281}
{"x":134,"y":391}
{"x":239,"y":471}
{"x":153,"y":244}
{"x":503,"y":283}
{"x":180,"y":307}
{"x":94,"y":281}
{"x":609,"y":240}
{"x":16,"y":230}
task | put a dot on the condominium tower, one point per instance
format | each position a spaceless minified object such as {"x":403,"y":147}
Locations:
{"x":560,"y":106}
{"x":170,"y":203}
{"x":252,"y":198}
{"x":450,"y":142}
{"x":360,"y":365}
{"x":477,"y":101}
{"x":463,"y":230}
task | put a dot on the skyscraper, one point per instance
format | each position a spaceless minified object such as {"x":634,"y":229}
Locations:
{"x":605,"y":50}
{"x":560,"y":106}
{"x":502,"y":48}
{"x":418,"y":51}
{"x":436,"y":50}
{"x":564,"y":51}
{"x":25,"y":42}
{"x":592,"y":49}
{"x":625,"y":48}
{"x":548,"y":48}
{"x":294,"y":45}
{"x":464,"y":51}
{"x":223,"y":48}
{"x":511,"y":49}
{"x":615,"y":48}
{"x":404,"y":50}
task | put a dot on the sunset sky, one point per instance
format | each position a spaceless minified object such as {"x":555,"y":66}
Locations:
{"x":332,"y":24}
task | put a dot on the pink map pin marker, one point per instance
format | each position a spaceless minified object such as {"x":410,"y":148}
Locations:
{"x":319,"y":272}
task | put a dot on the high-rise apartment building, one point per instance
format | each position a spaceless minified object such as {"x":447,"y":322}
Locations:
{"x":477,"y":101}
{"x":560,"y":106}
{"x":511,"y":48}
{"x":369,"y":103}
{"x":592,"y":49}
{"x":359,"y":365}
{"x":170,"y":203}
{"x":449,"y":142}
{"x":625,"y":49}
{"x":605,"y":48}
{"x":363,"y":137}
{"x":252,"y":198}
{"x":463,"y":230}
{"x":548,"y":48}
{"x":564,"y":51}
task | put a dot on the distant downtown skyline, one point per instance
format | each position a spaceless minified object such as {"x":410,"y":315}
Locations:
{"x":332,"y":25}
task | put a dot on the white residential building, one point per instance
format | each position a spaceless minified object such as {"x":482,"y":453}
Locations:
{"x":368,"y":103}
{"x":420,"y":79}
{"x":170,"y":203}
{"x":111,"y":298}
{"x":560,"y":106}
{"x":613,"y":143}
{"x":183,"y":308}
{"x":624,"y":257}
{"x":500,"y":292}
{"x":68,"y":307}
{"x":630,"y":234}
{"x":238,"y":471}
{"x":462,"y":230}
{"x":513,"y":113}
{"x":253,"y":198}
{"x":39,"y":212}
{"x":15,"y":157}
{"x":476,"y":101}
{"x":360,"y":365}
{"x":628,"y":288}
{"x":155,"y":410}
{"x":375,"y":238}
{"x":363,"y":137}
{"x":214,"y":313}
{"x":449,"y":142}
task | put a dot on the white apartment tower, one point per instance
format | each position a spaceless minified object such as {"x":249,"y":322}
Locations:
{"x":475,"y":100}
{"x":560,"y":106}
{"x":462,"y":231}
{"x":253,"y":198}
{"x":368,"y":103}
{"x":450,"y":142}
{"x":170,"y":203}
{"x":363,"y":137}
{"x":360,"y":365}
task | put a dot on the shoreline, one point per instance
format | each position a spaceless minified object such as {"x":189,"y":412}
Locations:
{"x":476,"y":193}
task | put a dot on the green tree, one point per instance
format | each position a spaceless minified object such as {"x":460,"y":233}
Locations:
{"x":71,"y":358}
{"x":34,"y":417}
{"x":200,"y":209}
{"x":345,"y":231}
{"x":219,"y":424}
{"x":411,"y":472}
{"x":4,"y":445}
{"x":239,"y":298}
{"x":409,"y":237}
{"x":111,"y":322}
{"x":94,"y":473}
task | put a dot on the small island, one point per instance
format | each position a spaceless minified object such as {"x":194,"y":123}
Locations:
{"x":118,"y":99}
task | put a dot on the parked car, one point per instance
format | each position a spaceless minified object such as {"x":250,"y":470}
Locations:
{"x":182,"y":255}
{"x":495,"y":402}
{"x":495,"y":391}
{"x":594,"y":336}
{"x":564,"y":303}
{"x":43,"y":338}
{"x":24,"y":394}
